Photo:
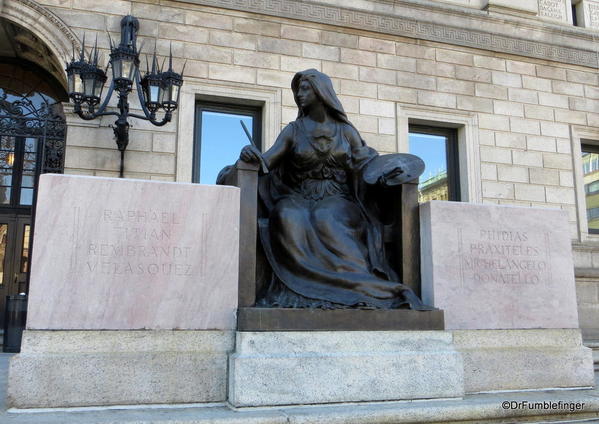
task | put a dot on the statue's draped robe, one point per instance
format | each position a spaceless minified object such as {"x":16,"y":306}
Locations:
{"x":324,"y":246}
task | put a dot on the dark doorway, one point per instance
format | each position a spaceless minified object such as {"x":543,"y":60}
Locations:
{"x":32,"y":141}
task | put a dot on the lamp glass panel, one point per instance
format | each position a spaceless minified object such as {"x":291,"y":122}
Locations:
{"x":153,"y":93}
{"x":88,"y":86}
{"x":98,"y":86}
{"x":78,"y":84}
{"x":174,"y":93}
{"x":71,"y":82}
{"x":127,"y":65}
{"x":117,"y":68}
{"x":169,"y":91}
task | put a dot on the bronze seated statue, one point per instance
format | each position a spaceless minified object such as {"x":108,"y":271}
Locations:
{"x":319,"y":214}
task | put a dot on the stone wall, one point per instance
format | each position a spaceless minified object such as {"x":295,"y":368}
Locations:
{"x":520,"y":109}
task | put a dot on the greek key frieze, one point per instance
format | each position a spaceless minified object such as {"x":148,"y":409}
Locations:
{"x":406,"y":27}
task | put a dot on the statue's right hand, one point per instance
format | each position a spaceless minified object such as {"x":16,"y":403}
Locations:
{"x":250,"y":154}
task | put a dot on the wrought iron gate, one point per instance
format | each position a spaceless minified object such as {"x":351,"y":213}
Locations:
{"x":32,"y":142}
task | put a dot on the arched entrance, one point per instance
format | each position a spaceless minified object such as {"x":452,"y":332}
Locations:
{"x":32,"y":141}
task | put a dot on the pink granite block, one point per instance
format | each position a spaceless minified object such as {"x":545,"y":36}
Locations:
{"x":498,"y":267}
{"x":131,"y":254}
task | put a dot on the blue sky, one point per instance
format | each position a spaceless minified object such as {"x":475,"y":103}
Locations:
{"x":431,"y":149}
{"x":222,"y":140}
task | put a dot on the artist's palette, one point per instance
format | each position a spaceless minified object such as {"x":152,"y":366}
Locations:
{"x":411,"y":165}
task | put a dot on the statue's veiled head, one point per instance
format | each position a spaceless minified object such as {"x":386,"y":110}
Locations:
{"x":323,"y":88}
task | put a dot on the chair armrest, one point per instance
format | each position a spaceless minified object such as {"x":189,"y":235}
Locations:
{"x":410,"y":236}
{"x":245,"y":176}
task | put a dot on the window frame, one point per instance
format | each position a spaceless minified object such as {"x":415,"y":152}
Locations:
{"x":579,"y":136}
{"x":466,"y":125}
{"x":451,"y":155}
{"x":267,"y":98}
{"x":221,"y":107}
{"x":586,"y":147}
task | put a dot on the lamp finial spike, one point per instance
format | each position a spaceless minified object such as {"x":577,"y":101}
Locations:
{"x":82,"y":55}
{"x":183,"y":69}
{"x":95,"y":62}
{"x":154,"y":62}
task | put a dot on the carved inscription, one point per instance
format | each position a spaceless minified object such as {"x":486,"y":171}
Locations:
{"x":555,"y":9}
{"x":147,"y":245}
{"x":506,"y":257}
{"x":593,"y":14}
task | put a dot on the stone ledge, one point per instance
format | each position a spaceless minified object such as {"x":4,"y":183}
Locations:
{"x":96,"y":341}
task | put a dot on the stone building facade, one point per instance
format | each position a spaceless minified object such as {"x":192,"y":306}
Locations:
{"x":515,"y":80}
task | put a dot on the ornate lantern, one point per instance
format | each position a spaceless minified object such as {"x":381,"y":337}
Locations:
{"x":158,"y":90}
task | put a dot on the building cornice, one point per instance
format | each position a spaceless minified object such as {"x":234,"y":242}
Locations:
{"x":426,"y":20}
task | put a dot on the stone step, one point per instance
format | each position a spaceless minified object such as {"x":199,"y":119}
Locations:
{"x":479,"y":409}
{"x":594,"y":344}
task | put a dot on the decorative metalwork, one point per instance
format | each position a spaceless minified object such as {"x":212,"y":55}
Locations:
{"x":157,"y":90}
{"x":35,"y":117}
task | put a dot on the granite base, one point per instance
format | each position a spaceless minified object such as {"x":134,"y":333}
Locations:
{"x":314,"y":367}
{"x":89,"y":368}
{"x":496,"y":360}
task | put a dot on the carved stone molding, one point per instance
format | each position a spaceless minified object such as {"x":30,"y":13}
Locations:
{"x":48,"y":27}
{"x":51,"y":17}
{"x":397,"y":22}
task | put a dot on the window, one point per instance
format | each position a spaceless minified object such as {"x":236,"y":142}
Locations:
{"x":590,"y":171}
{"x":220,"y":135}
{"x":438,"y":149}
{"x":576,"y":12}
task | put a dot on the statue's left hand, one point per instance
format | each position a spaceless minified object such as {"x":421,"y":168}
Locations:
{"x":389,"y":175}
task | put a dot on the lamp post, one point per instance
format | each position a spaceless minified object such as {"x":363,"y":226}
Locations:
{"x":157,"y":90}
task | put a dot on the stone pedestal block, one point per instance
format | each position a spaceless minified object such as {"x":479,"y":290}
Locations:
{"x":498,"y":267}
{"x":89,"y":368}
{"x":285,"y":368}
{"x":524,"y":359}
{"x":113,"y":254}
